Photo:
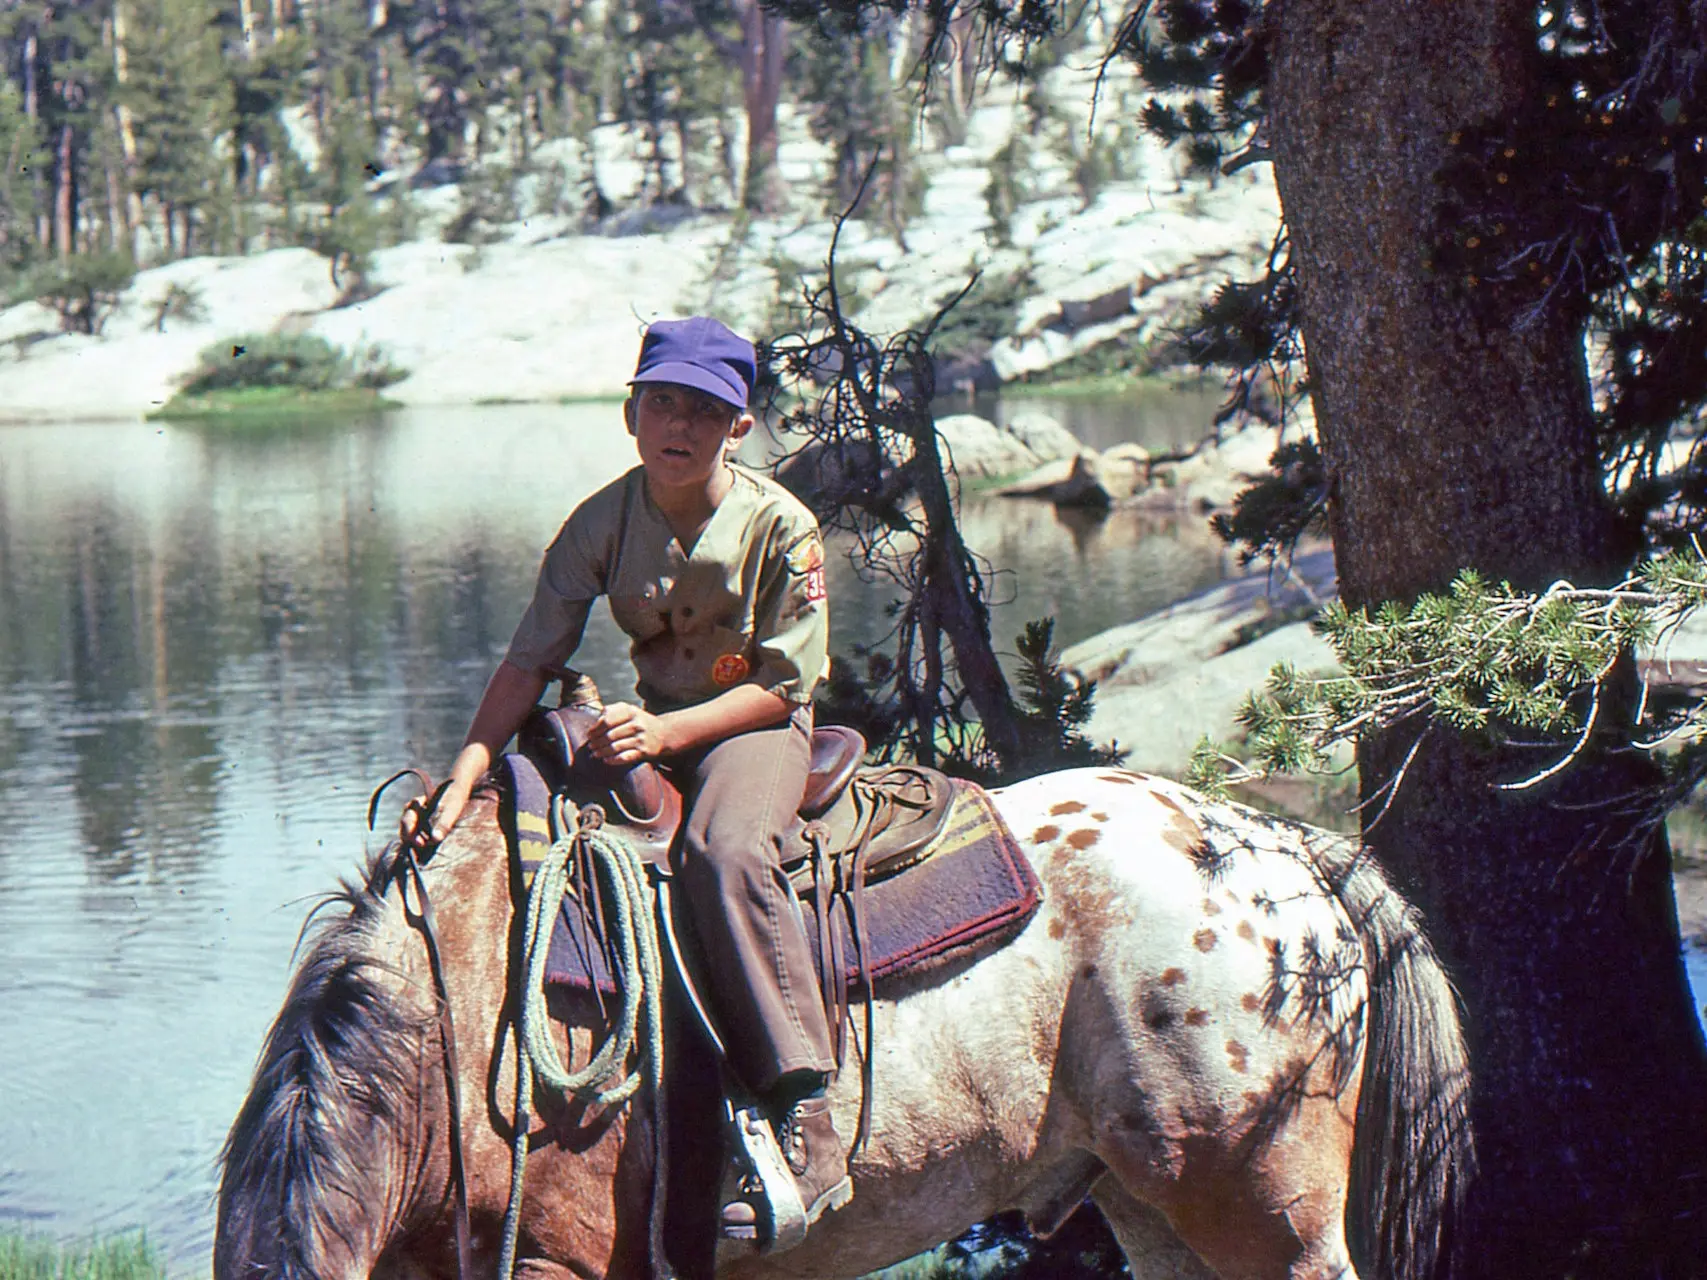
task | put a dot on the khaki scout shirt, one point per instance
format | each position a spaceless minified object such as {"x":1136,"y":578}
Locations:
{"x":746,"y":604}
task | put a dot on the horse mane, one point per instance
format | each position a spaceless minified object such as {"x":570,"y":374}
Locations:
{"x":334,"y":1075}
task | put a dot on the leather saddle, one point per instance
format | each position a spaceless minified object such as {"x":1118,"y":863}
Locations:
{"x":888,"y":815}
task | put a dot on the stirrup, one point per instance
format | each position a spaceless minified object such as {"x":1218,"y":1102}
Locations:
{"x":767,"y":1179}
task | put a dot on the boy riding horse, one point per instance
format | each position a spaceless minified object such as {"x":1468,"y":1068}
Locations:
{"x":716,"y":574}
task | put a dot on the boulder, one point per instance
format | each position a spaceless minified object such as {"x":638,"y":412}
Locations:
{"x":975,"y":448}
{"x":1159,"y":723}
{"x":1125,"y":470}
{"x":1167,"y":679}
{"x":825,"y":477}
{"x":1067,"y":482}
{"x":1044,"y":436}
{"x":1201,"y":627}
{"x":1214,"y":476}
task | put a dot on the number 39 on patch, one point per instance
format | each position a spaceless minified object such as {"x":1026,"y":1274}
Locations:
{"x":807,"y":559}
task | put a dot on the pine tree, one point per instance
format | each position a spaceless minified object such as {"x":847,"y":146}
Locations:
{"x":181,"y":98}
{"x":846,"y":76}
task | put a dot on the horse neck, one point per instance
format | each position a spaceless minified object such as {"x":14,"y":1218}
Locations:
{"x":329,"y":1156}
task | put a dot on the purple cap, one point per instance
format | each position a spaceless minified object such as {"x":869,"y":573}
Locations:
{"x":701,"y":353}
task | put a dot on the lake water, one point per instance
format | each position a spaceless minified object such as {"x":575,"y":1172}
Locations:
{"x":213,"y":643}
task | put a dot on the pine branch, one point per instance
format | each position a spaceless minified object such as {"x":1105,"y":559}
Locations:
{"x":1511,"y":668}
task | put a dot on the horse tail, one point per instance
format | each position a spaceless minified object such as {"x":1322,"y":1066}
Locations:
{"x":304,"y":1171}
{"x":1413,"y":1152}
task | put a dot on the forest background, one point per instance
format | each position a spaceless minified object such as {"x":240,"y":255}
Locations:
{"x":140,"y":131}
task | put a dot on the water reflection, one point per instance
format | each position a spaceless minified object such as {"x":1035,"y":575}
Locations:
{"x":212,"y":643}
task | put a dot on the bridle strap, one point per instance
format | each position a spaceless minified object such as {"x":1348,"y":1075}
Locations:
{"x":447,"y":1037}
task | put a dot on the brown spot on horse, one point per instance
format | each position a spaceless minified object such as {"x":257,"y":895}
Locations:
{"x":1127,"y":779}
{"x":1204,"y":939}
{"x":1172,"y":977}
{"x":1211,"y":907}
{"x":1084,"y":838}
{"x":1099,"y":817}
{"x":1197,"y":1017}
{"x":1246,"y":932}
{"x":1044,"y":834}
{"x":1057,"y":929}
{"x":1250,"y":1002}
{"x":1238,"y":1057}
{"x":1182,"y":835}
{"x":1067,"y":806}
{"x":1168,"y":802}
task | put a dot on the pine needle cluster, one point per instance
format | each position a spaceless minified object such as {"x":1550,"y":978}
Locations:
{"x":1482,"y":659}
{"x":1055,"y":708}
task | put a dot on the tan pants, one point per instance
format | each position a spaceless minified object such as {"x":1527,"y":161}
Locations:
{"x":742,"y":795}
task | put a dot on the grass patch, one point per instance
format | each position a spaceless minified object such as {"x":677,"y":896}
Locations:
{"x":272,"y":403}
{"x":121,"y":1257}
{"x":282,"y":375}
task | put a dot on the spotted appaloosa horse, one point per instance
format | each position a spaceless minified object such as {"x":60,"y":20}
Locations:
{"x":1223,"y":1025}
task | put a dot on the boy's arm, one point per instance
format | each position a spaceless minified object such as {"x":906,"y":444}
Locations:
{"x":626,"y":734}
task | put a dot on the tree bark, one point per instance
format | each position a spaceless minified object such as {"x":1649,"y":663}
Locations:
{"x":764,"y":42}
{"x":64,"y":195}
{"x":1455,"y":438}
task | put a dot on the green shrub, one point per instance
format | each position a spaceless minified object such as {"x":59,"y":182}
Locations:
{"x":125,"y":1257}
{"x":300,"y":360}
{"x":83,"y":288}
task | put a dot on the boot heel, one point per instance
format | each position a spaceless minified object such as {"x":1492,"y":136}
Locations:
{"x":830,"y":1201}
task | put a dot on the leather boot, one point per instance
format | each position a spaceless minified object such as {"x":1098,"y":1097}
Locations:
{"x":810,"y":1144}
{"x":813,"y":1151}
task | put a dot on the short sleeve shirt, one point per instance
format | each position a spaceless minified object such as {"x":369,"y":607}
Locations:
{"x":747,"y":604}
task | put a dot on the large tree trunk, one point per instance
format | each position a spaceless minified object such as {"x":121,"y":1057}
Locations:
{"x":1456,"y":439}
{"x":764,"y":40}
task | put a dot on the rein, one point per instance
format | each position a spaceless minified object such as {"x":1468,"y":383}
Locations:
{"x":407,"y":869}
{"x":447,"y":1034}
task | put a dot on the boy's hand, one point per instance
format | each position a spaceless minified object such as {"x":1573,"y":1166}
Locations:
{"x":626,"y":735}
{"x":413,"y":828}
